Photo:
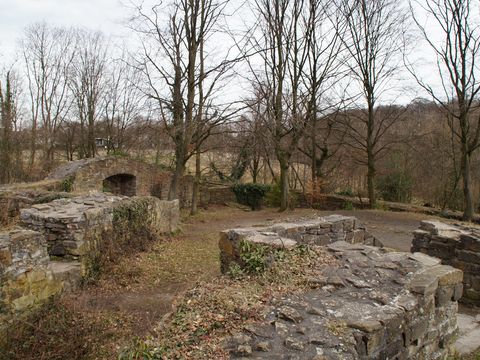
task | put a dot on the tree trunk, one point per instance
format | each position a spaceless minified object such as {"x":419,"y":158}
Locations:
{"x":196,"y":184}
{"x":467,"y":189}
{"x":177,"y":174}
{"x":371,"y":182}
{"x":370,"y":154}
{"x":284,"y":203}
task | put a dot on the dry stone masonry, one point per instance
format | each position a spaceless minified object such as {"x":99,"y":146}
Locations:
{"x":53,"y":248}
{"x":321,"y":231}
{"x":371,"y":304}
{"x":455,"y":245}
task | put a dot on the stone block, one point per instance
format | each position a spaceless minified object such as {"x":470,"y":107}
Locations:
{"x":458,"y":292}
{"x":424,"y":283}
{"x":468,"y":256}
{"x":469,"y":242}
{"x":5,"y":257}
{"x":444,"y":295}
{"x":447,"y":275}
{"x":358,"y":236}
{"x":471,"y":294}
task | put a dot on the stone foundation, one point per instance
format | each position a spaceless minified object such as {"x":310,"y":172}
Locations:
{"x":72,"y":232}
{"x":373,"y":304}
{"x":27,"y":275}
{"x":458,"y":246}
{"x":321,"y":231}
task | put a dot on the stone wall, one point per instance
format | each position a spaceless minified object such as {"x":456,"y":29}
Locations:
{"x":72,"y":232}
{"x":73,"y":226}
{"x":321,"y":231}
{"x":27,"y":275}
{"x":371,"y":304}
{"x":458,"y":246}
{"x":89,"y":174}
{"x":218,"y":195}
{"x":12,"y":201}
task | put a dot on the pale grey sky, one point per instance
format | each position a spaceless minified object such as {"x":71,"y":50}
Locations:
{"x":109,"y":16}
{"x":104,"y":15}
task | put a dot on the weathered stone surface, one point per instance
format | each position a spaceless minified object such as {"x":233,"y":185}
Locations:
{"x":363,"y":311}
{"x":71,"y":226}
{"x":321,"y":231}
{"x":458,"y":246}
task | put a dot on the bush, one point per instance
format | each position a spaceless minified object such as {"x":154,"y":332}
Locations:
{"x":396,"y":186}
{"x":346,"y":192}
{"x":251,"y":194}
{"x":274,"y":197}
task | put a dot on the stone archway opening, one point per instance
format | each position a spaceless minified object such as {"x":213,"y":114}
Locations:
{"x":121,"y":184}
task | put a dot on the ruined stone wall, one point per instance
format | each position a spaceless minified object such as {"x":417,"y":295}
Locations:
{"x":218,"y":195}
{"x":73,"y":227}
{"x":371,"y":304}
{"x":321,"y":231}
{"x":71,"y":231}
{"x":458,"y":246}
{"x":27,"y":275}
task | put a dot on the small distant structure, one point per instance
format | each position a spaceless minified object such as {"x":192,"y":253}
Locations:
{"x":102,"y":142}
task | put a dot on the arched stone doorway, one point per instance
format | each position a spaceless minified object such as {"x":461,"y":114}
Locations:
{"x":121,"y":184}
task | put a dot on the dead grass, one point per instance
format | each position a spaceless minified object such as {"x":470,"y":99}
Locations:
{"x":216,"y":309}
{"x":59,"y":331}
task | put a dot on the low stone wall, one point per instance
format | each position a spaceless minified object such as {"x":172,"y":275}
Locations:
{"x":27,"y":275}
{"x":458,"y":246}
{"x":71,"y":231}
{"x":218,"y":195}
{"x":12,"y":201}
{"x":72,"y":227}
{"x":373,"y":304}
{"x":321,"y":231}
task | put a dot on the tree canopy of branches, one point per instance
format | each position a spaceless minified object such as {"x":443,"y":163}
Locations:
{"x":456,"y":60}
{"x":374,"y":40}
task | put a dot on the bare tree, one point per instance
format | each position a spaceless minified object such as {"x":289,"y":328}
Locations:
{"x":283,"y":46}
{"x":87,"y":81}
{"x":173,"y":59}
{"x":456,"y":61}
{"x":122,"y":101}
{"x":47,"y":52}
{"x":7,"y":115}
{"x":323,"y":136}
{"x":374,"y":40}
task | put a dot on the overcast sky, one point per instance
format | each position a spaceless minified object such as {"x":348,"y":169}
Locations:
{"x":105,"y":15}
{"x":110,"y":17}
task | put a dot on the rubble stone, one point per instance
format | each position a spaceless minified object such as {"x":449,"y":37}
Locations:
{"x":366,"y":312}
{"x":454,"y":245}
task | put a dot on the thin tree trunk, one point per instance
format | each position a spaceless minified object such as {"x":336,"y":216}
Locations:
{"x":177,"y":175}
{"x":370,"y":156}
{"x":467,"y":188}
{"x":284,"y":203}
{"x":196,"y":184}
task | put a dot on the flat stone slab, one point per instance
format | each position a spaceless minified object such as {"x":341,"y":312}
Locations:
{"x":371,"y":304}
{"x":440,"y":228}
{"x":469,"y":333}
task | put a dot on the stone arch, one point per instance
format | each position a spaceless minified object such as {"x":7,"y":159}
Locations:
{"x":121,"y":184}
{"x":90,"y":175}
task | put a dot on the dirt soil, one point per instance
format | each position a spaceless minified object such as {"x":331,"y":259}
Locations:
{"x":137,"y":291}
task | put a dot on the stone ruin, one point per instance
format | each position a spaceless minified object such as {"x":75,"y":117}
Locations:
{"x":373,"y":304}
{"x":51,"y":249}
{"x":116,"y":175}
{"x":315,"y":232}
{"x":455,"y":245}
